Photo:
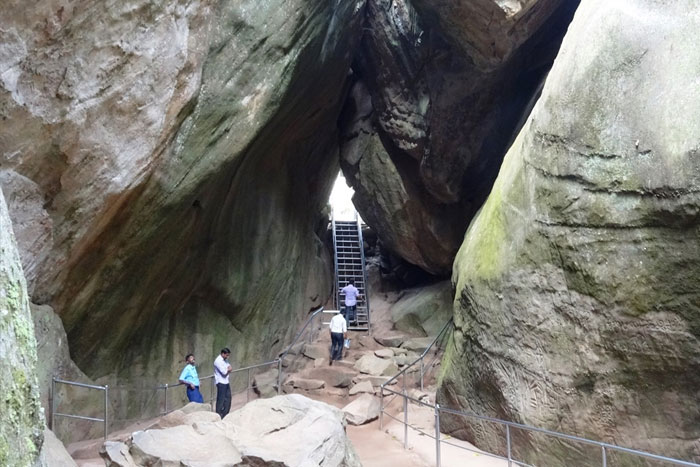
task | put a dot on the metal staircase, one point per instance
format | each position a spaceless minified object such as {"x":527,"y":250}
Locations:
{"x":350,"y":264}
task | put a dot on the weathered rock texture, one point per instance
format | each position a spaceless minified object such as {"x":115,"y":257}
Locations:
{"x":578,"y":301}
{"x":21,"y":420}
{"x":423,"y":310}
{"x":166,"y":164}
{"x":285,"y":431}
{"x":439,"y":94}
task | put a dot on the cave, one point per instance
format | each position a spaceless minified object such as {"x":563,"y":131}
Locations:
{"x":167,"y":168}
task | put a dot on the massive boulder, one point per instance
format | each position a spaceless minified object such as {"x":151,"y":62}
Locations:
{"x":578,"y":305}
{"x":166,"y":164}
{"x":285,"y":431}
{"x":439,"y":93}
{"x":21,"y":418}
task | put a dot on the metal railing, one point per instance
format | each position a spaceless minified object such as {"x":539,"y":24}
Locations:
{"x":605,"y":448}
{"x":167,"y":387}
{"x":55,"y":413}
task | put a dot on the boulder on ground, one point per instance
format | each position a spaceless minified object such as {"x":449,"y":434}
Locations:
{"x":417,"y":343}
{"x":384,"y":353}
{"x":116,"y":454}
{"x":294,"y":430}
{"x":374,"y":380}
{"x":308,"y":384}
{"x":182,"y":445}
{"x":369,"y":364}
{"x":390,"y":341}
{"x":362,"y":410}
{"x":196,"y":407}
{"x":53,"y":452}
{"x":334,"y":376}
{"x":265,"y":384}
{"x":362,"y":387}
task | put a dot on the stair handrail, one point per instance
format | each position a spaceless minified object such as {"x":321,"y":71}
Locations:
{"x":365,"y":279}
{"x":420,"y":358}
{"x":306,"y":324}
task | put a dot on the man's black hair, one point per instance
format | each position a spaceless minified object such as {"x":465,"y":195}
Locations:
{"x":187,"y":357}
{"x":351,"y":282}
{"x":225,"y":350}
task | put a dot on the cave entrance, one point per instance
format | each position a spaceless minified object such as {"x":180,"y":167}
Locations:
{"x":349,"y":257}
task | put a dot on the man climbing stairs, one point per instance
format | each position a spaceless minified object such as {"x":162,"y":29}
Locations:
{"x":350,"y":264}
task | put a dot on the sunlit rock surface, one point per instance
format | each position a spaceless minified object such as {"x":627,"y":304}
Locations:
{"x":578,"y":301}
{"x":166,"y":164}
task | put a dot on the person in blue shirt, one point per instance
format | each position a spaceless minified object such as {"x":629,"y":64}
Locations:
{"x":189,"y":378}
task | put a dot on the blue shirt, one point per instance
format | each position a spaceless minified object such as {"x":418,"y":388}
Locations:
{"x":189,"y":374}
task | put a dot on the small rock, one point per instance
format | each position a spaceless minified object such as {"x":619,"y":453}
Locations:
{"x":308,"y":384}
{"x":116,"y":454}
{"x":374,"y":380}
{"x":334,"y":376}
{"x":417,"y":343}
{"x":362,"y":410}
{"x":376,"y":366}
{"x":196,"y":407}
{"x":362,"y":387}
{"x":399,"y":351}
{"x":384,"y":353}
{"x":265,"y":384}
{"x":390,"y":341}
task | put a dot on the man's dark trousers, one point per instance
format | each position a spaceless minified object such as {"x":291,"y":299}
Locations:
{"x":336,"y":345}
{"x":223,"y":399}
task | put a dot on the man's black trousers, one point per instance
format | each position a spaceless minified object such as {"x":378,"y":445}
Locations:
{"x":223,"y":399}
{"x":336,"y":345}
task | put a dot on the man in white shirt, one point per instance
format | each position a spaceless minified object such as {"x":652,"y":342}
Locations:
{"x":223,"y":389}
{"x":351,"y":295}
{"x":338,"y":328}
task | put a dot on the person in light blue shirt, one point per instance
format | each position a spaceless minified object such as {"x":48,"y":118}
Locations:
{"x":189,"y":378}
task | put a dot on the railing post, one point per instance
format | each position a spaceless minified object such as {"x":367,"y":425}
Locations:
{"x":51,"y":403}
{"x":404,"y":381}
{"x":405,"y":419}
{"x":381,"y":407}
{"x":437,"y":435}
{"x":106,"y":418}
{"x":247,"y":388}
{"x":605,"y":457}
{"x":211,"y":393}
{"x":510,"y":458}
{"x":279,"y":376}
{"x":421,"y":374}
{"x":165,"y":402}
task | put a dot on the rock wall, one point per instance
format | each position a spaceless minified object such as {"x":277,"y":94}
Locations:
{"x":577,"y":298}
{"x":440,"y":92}
{"x":166,"y":164}
{"x":21,"y":418}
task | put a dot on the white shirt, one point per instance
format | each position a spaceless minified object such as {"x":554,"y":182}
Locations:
{"x":220,"y":370}
{"x":338,"y":324}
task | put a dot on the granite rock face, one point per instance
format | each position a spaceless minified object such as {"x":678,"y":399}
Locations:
{"x":439,"y":93}
{"x":21,"y":418}
{"x":166,"y":164}
{"x":577,"y":293}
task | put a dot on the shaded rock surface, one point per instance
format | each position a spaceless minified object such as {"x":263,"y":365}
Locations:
{"x":439,"y":93}
{"x":578,"y":306}
{"x":423,"y":310}
{"x":21,"y":418}
{"x":133,"y":139}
